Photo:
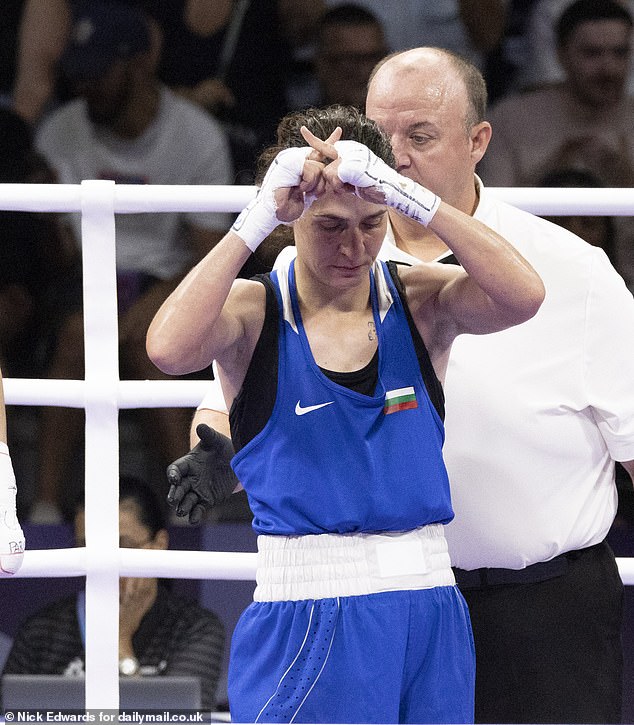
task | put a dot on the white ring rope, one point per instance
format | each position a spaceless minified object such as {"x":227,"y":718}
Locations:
{"x":228,"y":565}
{"x":129,"y":394}
{"x":132,"y":199}
{"x":102,"y":394}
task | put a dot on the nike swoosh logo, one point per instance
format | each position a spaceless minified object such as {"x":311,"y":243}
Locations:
{"x":309,"y":408}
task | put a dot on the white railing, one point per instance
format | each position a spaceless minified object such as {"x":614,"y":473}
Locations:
{"x":102,"y":394}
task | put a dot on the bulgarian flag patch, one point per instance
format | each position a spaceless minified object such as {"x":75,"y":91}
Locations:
{"x":401,"y":399}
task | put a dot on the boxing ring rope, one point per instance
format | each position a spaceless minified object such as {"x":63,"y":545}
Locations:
{"x":102,"y":395}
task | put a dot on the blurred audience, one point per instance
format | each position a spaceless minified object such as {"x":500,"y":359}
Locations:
{"x":234,"y":57}
{"x":584,"y":122}
{"x":43,"y":33}
{"x":599,"y":231}
{"x":350,"y":42}
{"x":469,"y":27}
{"x":9,"y":24}
{"x":160,"y":633}
{"x":506,"y":62}
{"x":542,"y":66}
{"x":126,"y":126}
{"x":37,"y":256}
{"x":594,"y":39}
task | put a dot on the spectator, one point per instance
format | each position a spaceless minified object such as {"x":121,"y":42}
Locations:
{"x":126,"y":126}
{"x":11,"y":536}
{"x":350,"y":41}
{"x":160,"y":633}
{"x":542,"y":67}
{"x":504,"y":64}
{"x":470,"y":27}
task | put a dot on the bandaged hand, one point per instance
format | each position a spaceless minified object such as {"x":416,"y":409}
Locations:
{"x":262,"y":215}
{"x":203,"y":477}
{"x":11,"y":536}
{"x":375,"y":181}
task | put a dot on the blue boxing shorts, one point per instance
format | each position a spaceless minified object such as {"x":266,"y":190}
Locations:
{"x":403,"y":656}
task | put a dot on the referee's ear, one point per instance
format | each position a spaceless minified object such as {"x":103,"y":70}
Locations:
{"x":479,"y":138}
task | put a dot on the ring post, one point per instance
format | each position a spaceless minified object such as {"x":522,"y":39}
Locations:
{"x":102,"y":443}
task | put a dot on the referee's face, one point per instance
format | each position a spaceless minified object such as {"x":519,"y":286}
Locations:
{"x":421,"y":103}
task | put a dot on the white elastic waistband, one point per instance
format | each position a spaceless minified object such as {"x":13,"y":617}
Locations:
{"x":319,"y":566}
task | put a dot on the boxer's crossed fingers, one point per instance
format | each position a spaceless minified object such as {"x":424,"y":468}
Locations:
{"x":325,"y":153}
{"x":325,"y":159}
{"x":313,"y":182}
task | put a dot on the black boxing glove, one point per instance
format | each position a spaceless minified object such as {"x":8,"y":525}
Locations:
{"x":203,"y":477}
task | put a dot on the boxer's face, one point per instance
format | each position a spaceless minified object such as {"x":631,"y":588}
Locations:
{"x":339,"y":237}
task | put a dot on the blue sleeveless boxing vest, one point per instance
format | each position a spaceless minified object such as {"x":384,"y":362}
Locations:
{"x":331,"y":460}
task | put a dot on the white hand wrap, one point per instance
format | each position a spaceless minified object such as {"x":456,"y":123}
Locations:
{"x":11,"y":536}
{"x":363,"y":169}
{"x":258,"y":219}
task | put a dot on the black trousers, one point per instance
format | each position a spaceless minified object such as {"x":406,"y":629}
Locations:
{"x":549,"y":651}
